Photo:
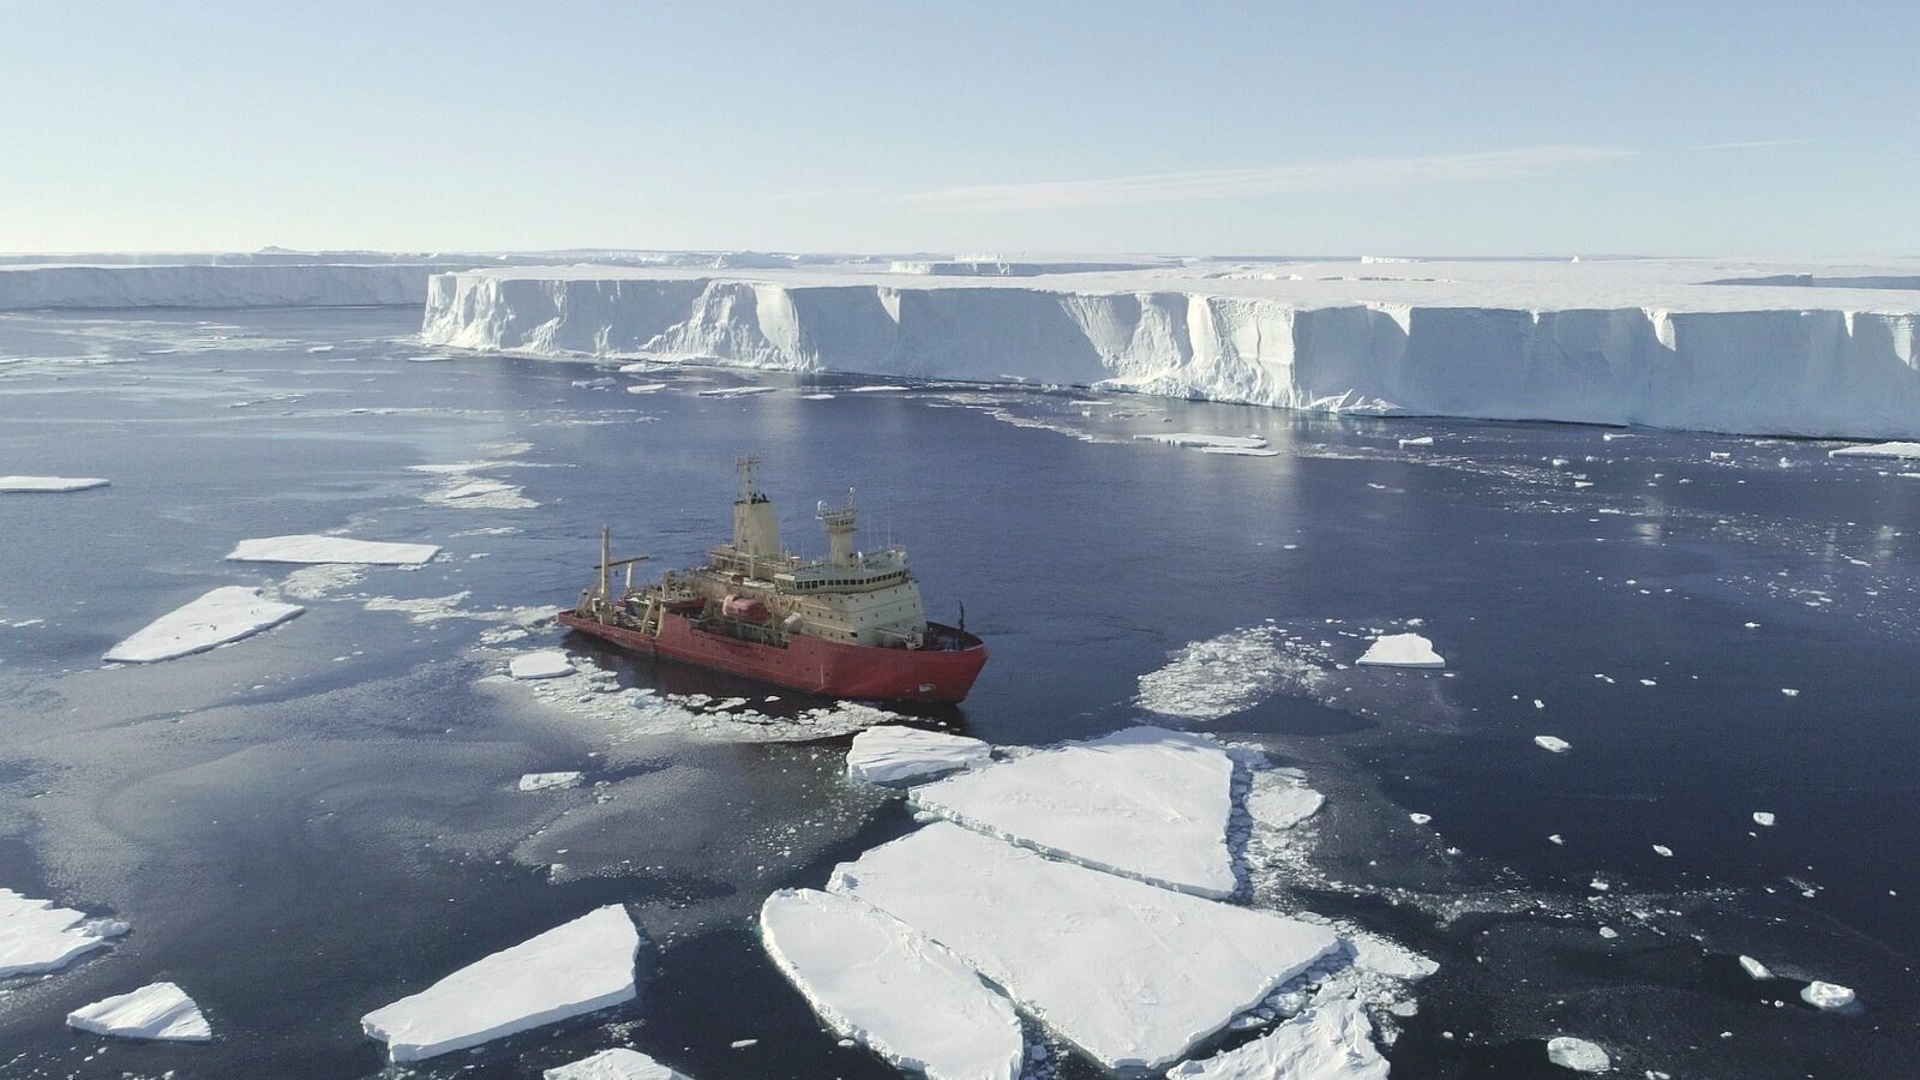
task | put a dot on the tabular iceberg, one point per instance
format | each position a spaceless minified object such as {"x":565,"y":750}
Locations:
{"x":160,"y":1011}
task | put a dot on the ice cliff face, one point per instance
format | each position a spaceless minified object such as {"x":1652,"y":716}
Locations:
{"x":1798,"y":372}
{"x":213,"y":286}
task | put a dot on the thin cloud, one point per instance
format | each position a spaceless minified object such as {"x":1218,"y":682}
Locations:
{"x":1755,"y":144}
{"x":1372,"y":174}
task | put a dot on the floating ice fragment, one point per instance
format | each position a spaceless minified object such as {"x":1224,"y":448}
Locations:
{"x":575,"y":968}
{"x":1420,"y":819}
{"x":817,"y":397}
{"x":1557,"y":840}
{"x":1763,"y":817}
{"x":544,"y":664}
{"x":876,"y":980}
{"x":1552,"y":744}
{"x":1331,"y":1041}
{"x":330,"y":549}
{"x":549,"y":781}
{"x":1577,"y":1054}
{"x":228,"y":613}
{"x":737,"y":391}
{"x":1609,"y":933}
{"x":877,"y":389}
{"x":1789,"y":692}
{"x":619,"y":1063}
{"x":1826,"y":995}
{"x":24,"y":485}
{"x":1221,"y":442}
{"x":1282,"y":804}
{"x":1663,"y":851}
{"x":1143,"y":802}
{"x":646,"y":388}
{"x":891,"y":752}
{"x":156,"y":1011}
{"x":1402,"y":650}
{"x":1755,"y":969}
{"x":1423,"y":440}
{"x":37,"y":937}
{"x":1383,"y":956}
{"x":1879,"y":450}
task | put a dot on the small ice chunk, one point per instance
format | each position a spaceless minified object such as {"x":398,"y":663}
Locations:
{"x":37,"y":937}
{"x":1204,"y":442}
{"x":548,"y":781}
{"x":156,"y":1011}
{"x":618,"y":1063}
{"x":1384,"y":956}
{"x":330,"y":549}
{"x":876,"y":980}
{"x":544,"y":664}
{"x":228,"y":613}
{"x":879,"y":388}
{"x":1577,"y":1054}
{"x":1552,"y":744}
{"x":1763,"y":817}
{"x":22,"y":485}
{"x":889,"y":752}
{"x":1609,"y":933}
{"x":1402,"y":650}
{"x":1790,"y":692}
{"x":1755,"y":969}
{"x":1557,"y":840}
{"x":1826,"y":995}
{"x":646,"y":388}
{"x":737,"y":391}
{"x":1331,"y":1041}
{"x":1283,"y":805}
{"x":1420,"y":819}
{"x":574,"y":968}
{"x":1663,"y":851}
{"x":1424,"y":440}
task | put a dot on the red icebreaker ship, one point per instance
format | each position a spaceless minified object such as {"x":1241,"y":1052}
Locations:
{"x":849,"y":626}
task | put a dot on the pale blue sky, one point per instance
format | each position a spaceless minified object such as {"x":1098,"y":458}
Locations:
{"x":1747,"y":129}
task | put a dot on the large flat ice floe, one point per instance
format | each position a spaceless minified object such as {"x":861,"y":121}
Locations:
{"x":330,"y":549}
{"x":49,"y":484}
{"x":1669,"y":343}
{"x":878,"y":981}
{"x":1144,"y":802}
{"x":1331,"y":1041}
{"x":1132,"y":974}
{"x":228,"y":613}
{"x":619,"y":1063}
{"x":1898,"y":450}
{"x":37,"y":937}
{"x":575,"y":968}
{"x":159,"y":1011}
{"x":888,"y":753}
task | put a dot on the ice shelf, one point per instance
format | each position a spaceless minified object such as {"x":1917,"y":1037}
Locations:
{"x":159,"y":1011}
{"x":575,"y":968}
{"x":878,"y":981}
{"x":1132,"y":974}
{"x":330,"y":549}
{"x":37,"y":937}
{"x":1143,"y":802}
{"x":228,"y":613}
{"x":888,"y":753}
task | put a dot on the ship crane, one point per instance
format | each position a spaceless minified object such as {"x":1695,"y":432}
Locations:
{"x":608,"y":562}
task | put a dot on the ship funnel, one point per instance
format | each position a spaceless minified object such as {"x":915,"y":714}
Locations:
{"x":756,"y":532}
{"x":841,"y":522}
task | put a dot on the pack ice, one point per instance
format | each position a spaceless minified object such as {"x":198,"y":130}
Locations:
{"x":878,"y":981}
{"x":228,"y":613}
{"x":1132,"y":974}
{"x":1143,"y":802}
{"x":1666,"y":343}
{"x":330,"y":549}
{"x":37,"y":937}
{"x":886,"y":753}
{"x":574,"y":968}
{"x":156,"y":1011}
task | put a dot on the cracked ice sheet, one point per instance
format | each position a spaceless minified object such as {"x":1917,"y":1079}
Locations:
{"x":1144,"y":803}
{"x":1332,"y":1041}
{"x":1132,"y":974}
{"x":878,"y":981}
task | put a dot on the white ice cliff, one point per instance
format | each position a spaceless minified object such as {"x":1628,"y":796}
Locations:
{"x":1645,"y":342}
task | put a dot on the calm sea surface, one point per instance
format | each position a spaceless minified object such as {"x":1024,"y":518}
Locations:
{"x":316,"y":821}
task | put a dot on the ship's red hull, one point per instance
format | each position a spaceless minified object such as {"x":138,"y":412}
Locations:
{"x":811,"y":664}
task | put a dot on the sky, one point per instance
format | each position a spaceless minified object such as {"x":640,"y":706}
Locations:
{"x":1765,"y":130}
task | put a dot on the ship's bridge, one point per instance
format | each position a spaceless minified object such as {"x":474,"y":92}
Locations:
{"x":862,"y":572}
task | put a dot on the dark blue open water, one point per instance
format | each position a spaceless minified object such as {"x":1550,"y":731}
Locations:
{"x":319,"y":820}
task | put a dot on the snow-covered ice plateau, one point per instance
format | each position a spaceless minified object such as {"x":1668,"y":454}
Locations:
{"x":159,"y":1011}
{"x":619,"y":1063}
{"x":1331,"y":1041}
{"x":888,"y":753}
{"x":1132,"y":974}
{"x":37,"y":937}
{"x":880,"y":982}
{"x":225,"y":614}
{"x":1143,"y":802}
{"x":330,"y":549}
{"x":574,"y":968}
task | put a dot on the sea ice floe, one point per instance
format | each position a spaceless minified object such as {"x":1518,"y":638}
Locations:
{"x":23,"y":485}
{"x":1143,"y":802}
{"x":1552,"y":744}
{"x":1202,"y":442}
{"x":618,"y":1063}
{"x":1755,"y":969}
{"x":1577,"y":1054}
{"x":737,"y":391}
{"x":1826,"y":995}
{"x":225,"y":614}
{"x":1879,"y":450}
{"x":1283,"y":803}
{"x":1762,"y":817}
{"x":877,"y":389}
{"x":330,"y":549}
{"x":575,"y":968}
{"x":878,"y":981}
{"x":37,"y":937}
{"x":646,"y":388}
{"x":1663,"y":851}
{"x":480,"y":494}
{"x":1132,"y":974}
{"x":544,"y":664}
{"x":1424,"y":440}
{"x":1402,"y":650}
{"x":156,"y":1011}
{"x":893,"y":752}
{"x":1331,"y":1041}
{"x":550,"y":781}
